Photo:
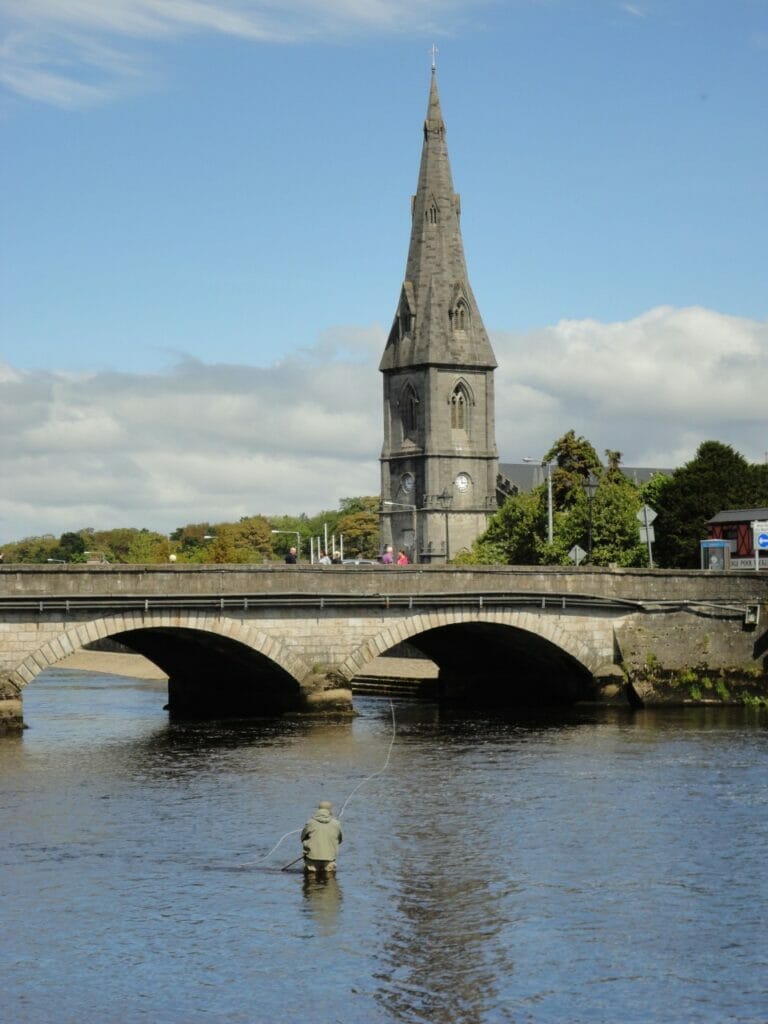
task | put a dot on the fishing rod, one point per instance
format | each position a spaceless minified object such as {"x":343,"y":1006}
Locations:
{"x":362,"y":782}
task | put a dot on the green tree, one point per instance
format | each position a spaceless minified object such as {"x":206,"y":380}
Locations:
{"x":517,"y":534}
{"x":511,"y":537}
{"x":254,"y":536}
{"x":147,"y":548}
{"x":71,"y":547}
{"x":114,"y":543}
{"x":31,"y":549}
{"x":575,"y":459}
{"x":717,"y":478}
{"x":360,"y":530}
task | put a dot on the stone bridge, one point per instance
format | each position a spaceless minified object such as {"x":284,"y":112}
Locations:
{"x":257,"y":640}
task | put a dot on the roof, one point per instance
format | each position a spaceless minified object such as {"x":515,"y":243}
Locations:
{"x":739,"y":515}
{"x":436,"y":285}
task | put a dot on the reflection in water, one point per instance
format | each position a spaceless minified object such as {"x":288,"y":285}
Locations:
{"x":592,"y":867}
{"x":323,"y":901}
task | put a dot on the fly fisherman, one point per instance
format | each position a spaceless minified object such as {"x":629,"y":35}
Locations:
{"x":320,"y":838}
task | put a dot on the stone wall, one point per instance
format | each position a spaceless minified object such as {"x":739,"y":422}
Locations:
{"x":659,"y":635}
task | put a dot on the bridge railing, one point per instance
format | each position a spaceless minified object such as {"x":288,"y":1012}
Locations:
{"x":105,"y":604}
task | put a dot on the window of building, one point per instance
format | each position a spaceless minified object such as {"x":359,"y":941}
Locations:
{"x":409,"y":411}
{"x":459,"y":403}
{"x":460,"y":317}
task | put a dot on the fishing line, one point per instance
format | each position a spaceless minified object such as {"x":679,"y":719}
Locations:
{"x":383,"y":767}
{"x":344,"y":805}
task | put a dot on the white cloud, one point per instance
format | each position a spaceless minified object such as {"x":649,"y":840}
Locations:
{"x":217,"y":442}
{"x":653,"y":387}
{"x":83,"y":52}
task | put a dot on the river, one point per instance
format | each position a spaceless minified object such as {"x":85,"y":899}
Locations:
{"x":596,"y":866}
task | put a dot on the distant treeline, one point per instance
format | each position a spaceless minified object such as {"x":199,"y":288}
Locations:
{"x":250,"y":539}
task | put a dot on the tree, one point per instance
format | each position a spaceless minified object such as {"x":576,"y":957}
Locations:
{"x":517,"y":534}
{"x":576,"y":459}
{"x":147,"y":548}
{"x":717,"y":478}
{"x":360,"y":530}
{"x":71,"y":547}
{"x":511,"y":536}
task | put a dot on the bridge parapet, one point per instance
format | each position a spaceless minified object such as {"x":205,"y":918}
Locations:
{"x":645,"y":586}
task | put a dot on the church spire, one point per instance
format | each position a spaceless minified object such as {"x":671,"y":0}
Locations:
{"x":439,"y":461}
{"x":436,"y":287}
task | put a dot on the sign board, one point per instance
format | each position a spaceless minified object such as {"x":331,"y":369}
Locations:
{"x":761,"y":541}
{"x":577,"y":554}
{"x":748,"y":563}
{"x":647,"y":535}
{"x":646,"y":515}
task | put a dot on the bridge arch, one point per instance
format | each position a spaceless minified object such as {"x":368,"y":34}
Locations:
{"x":214,"y":665}
{"x":497,"y":657}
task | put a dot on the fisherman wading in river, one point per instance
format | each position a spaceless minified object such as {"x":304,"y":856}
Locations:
{"x":320,"y":838}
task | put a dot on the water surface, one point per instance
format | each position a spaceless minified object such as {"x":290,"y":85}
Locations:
{"x":596,"y":867}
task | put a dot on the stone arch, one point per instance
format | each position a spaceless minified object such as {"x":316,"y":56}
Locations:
{"x":75,"y":637}
{"x":551,"y":644}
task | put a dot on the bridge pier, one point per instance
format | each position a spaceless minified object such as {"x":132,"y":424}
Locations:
{"x":11,"y":716}
{"x":206,"y":696}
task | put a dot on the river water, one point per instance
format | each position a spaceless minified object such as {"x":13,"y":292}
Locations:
{"x":596,"y":867}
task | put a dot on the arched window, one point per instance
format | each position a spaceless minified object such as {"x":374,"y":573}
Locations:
{"x":409,"y":411}
{"x":460,"y":317}
{"x":431,"y":214}
{"x":459,"y":408}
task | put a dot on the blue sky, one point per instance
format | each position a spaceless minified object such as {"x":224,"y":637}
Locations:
{"x":206,"y":205}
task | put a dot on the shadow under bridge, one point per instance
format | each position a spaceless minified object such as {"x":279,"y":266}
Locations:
{"x":212,"y":676}
{"x":496,"y":665}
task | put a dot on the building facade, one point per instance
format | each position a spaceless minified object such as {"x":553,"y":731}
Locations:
{"x":736,"y":526}
{"x":439,"y":461}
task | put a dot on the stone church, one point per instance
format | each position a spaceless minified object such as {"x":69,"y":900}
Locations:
{"x":439,"y":461}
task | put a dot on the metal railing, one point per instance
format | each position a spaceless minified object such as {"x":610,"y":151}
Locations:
{"x":253,"y":602}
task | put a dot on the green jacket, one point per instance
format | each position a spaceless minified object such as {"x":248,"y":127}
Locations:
{"x":321,"y":836}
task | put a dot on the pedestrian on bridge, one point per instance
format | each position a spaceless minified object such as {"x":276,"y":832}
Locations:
{"x":321,"y":837}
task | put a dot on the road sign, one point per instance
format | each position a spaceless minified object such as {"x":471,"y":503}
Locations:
{"x":762,"y":541}
{"x":647,"y":535}
{"x":646,"y":515}
{"x":577,"y":554}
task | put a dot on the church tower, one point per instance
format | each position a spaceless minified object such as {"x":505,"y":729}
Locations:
{"x":439,"y":460}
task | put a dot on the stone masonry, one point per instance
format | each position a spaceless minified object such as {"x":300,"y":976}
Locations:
{"x":295,"y":637}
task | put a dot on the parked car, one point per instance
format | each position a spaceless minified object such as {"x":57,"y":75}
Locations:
{"x":359,"y":561}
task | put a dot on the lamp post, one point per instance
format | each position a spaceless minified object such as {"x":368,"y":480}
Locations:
{"x":445,"y":500}
{"x":403,"y":504}
{"x":550,"y":515}
{"x":590,"y":486}
{"x":297,"y":535}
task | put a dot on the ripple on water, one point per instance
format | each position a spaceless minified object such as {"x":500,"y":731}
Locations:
{"x":593,"y":867}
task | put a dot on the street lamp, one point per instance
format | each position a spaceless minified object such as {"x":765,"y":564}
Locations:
{"x":590,"y":486}
{"x":550,"y":522}
{"x":296,"y":534}
{"x":445,"y":499}
{"x":403,"y":504}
